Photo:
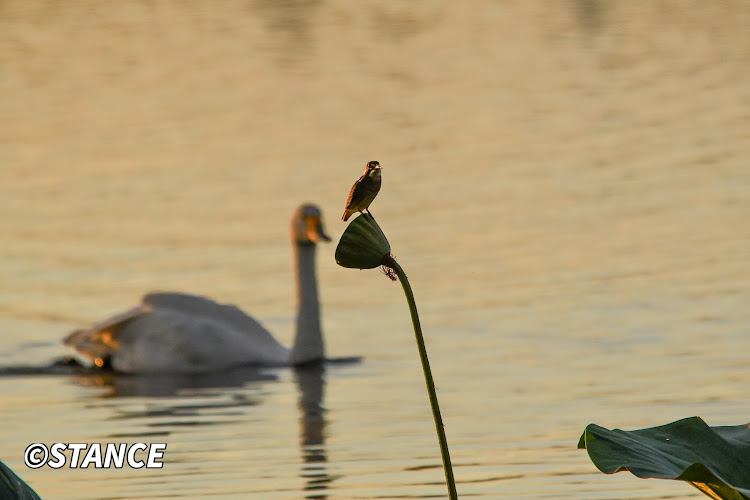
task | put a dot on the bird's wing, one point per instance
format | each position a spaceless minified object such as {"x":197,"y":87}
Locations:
{"x":188,"y":333}
{"x":99,"y":340}
{"x":179,"y":328}
{"x":357,"y":189}
{"x":201,"y":307}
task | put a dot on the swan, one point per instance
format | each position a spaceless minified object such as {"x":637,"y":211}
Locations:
{"x":180,"y":333}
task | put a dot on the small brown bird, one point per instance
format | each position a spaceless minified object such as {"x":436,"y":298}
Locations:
{"x":363,"y":191}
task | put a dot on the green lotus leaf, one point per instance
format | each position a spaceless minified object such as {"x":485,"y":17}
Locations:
{"x":716,"y":460}
{"x":12,"y":487}
{"x":363,"y":244}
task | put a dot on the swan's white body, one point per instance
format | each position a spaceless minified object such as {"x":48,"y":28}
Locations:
{"x":179,"y":333}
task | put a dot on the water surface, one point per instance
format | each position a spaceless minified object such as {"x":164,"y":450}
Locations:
{"x":565,"y":184}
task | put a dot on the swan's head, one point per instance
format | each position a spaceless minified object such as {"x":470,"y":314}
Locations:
{"x":307,"y":225}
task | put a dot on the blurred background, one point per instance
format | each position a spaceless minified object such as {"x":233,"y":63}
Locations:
{"x":566,"y":184}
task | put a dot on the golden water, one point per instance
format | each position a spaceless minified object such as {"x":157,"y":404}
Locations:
{"x":566,"y":184}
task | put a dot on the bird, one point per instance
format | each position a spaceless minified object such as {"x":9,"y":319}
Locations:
{"x":363,"y":191}
{"x":173,"y":332}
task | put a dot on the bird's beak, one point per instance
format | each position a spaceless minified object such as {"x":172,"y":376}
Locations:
{"x":315,"y":230}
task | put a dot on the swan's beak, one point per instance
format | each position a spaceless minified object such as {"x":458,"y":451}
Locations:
{"x":315,"y":230}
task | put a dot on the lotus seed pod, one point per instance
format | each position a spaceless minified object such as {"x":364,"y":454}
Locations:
{"x":363,"y":245}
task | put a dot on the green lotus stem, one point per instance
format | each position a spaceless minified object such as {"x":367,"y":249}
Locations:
{"x":439,"y":427}
{"x":364,"y":246}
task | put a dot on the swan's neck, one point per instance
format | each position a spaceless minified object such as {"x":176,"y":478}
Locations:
{"x":308,"y":341}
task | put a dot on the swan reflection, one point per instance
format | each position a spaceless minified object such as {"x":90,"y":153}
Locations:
{"x":186,"y":400}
